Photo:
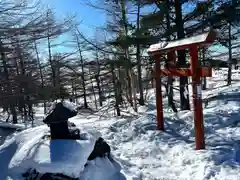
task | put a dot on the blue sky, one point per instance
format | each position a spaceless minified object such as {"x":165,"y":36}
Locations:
{"x":90,"y":17}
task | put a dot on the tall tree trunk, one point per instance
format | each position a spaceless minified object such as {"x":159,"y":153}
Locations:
{"x":170,"y":78}
{"x":229,"y":76}
{"x":41,"y":76}
{"x":99,"y":90}
{"x":128,"y":68}
{"x":83,"y":74}
{"x":97,"y":77}
{"x":29,"y":102}
{"x":72,"y":99}
{"x":20,"y":97}
{"x":184,"y":97}
{"x":53,"y":69}
{"x":23,"y":86}
{"x":139,"y":63}
{"x":116,"y":90}
{"x":134,"y":91}
{"x":204,"y":85}
{"x":129,"y":85}
{"x":120,"y":85}
{"x":54,"y":95}
{"x":204,"y":79}
{"x":12,"y":101}
{"x":93,"y":90}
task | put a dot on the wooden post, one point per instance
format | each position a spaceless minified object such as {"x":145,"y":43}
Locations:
{"x":197,"y":99}
{"x":159,"y":103}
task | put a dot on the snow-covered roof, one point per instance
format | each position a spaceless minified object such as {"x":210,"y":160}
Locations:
{"x":198,"y":39}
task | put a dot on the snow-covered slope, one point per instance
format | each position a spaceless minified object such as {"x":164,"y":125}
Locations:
{"x":145,"y":153}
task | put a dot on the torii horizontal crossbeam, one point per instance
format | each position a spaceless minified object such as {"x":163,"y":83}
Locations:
{"x":205,"y":72}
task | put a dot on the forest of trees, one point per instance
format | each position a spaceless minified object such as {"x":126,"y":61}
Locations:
{"x":111,"y":65}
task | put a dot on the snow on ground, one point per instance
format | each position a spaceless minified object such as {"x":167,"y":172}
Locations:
{"x":29,"y":149}
{"x":7,"y":130}
{"x":148,"y":154}
{"x":11,"y":126}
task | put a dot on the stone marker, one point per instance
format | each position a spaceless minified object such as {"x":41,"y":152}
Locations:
{"x":57,"y":119}
{"x":60,"y":128}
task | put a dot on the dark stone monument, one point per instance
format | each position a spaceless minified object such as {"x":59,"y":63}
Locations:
{"x":57,"y":119}
{"x":60,"y":128}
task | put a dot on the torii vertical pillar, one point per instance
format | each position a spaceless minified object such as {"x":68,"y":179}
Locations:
{"x":159,"y":101}
{"x":197,"y":98}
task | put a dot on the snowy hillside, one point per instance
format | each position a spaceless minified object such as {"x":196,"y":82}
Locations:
{"x":148,"y":154}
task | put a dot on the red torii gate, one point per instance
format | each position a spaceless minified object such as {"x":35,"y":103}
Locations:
{"x":195,"y":70}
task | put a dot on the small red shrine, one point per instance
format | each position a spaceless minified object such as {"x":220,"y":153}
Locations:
{"x":195,"y":70}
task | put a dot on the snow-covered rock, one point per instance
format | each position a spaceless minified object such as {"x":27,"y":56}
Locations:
{"x":102,"y":168}
{"x":54,"y":156}
{"x":32,"y":149}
